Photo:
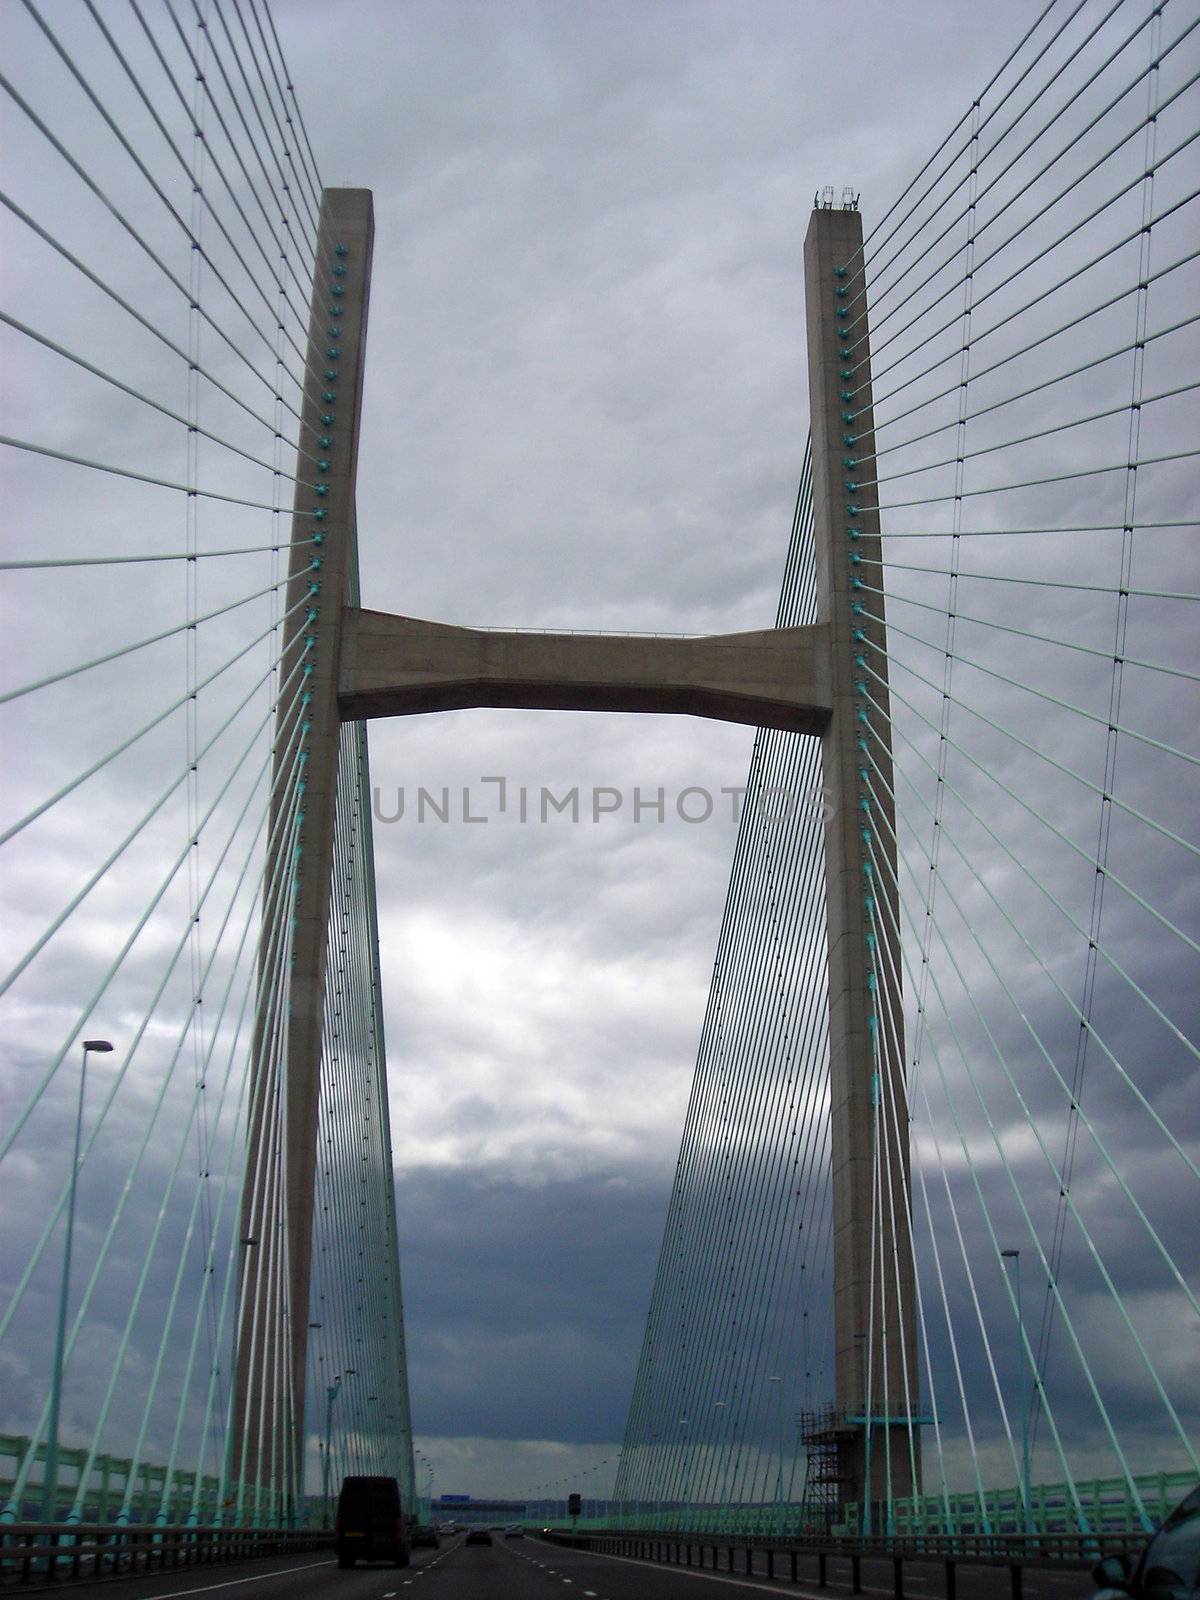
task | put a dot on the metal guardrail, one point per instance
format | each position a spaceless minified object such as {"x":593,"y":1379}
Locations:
{"x":40,"y":1552}
{"x":1016,"y":1552}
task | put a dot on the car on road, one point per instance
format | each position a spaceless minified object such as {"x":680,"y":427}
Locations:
{"x":514,"y":1531}
{"x":1168,"y":1568}
{"x":425,"y":1537}
{"x":370,"y":1523}
{"x":479,"y":1536}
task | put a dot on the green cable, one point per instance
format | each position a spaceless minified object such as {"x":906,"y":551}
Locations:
{"x":134,"y":1304}
{"x":100,"y":1119}
{"x":103,"y":986}
{"x":142,"y":477}
{"x":1131,"y":134}
{"x":253,"y":983}
{"x":148,"y":727}
{"x":132,"y":311}
{"x":309,"y":238}
{"x":1046,"y":383}
{"x":95,"y":189}
{"x":82,"y":894}
{"x":1037,"y":638}
{"x":1031,"y":438}
{"x":1081,"y":133}
{"x":1040,"y":694}
{"x":1066,"y":771}
{"x":270,"y":976}
{"x":172,"y":556}
{"x":136,"y":394}
{"x":1089,"y":1377}
{"x":142,"y":644}
{"x":1045,"y":338}
{"x":210,"y":155}
{"x":885,"y":940}
{"x":1062,"y":239}
{"x":157,"y":189}
{"x":192,"y":177}
{"x":202,"y":77}
{"x":102,"y":1255}
{"x":1049,"y":1060}
{"x":1040,"y":583}
{"x":1124,"y":1076}
{"x":1037,"y":483}
{"x":970,"y":1166}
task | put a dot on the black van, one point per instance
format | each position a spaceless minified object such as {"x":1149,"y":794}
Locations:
{"x":370,"y":1522}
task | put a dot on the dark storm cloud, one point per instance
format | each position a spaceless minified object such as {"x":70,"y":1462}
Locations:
{"x":514,"y":1290}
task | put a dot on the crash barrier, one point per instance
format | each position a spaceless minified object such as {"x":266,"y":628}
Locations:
{"x":42,"y":1552}
{"x":838,"y":1563}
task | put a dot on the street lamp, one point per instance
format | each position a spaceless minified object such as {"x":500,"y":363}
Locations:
{"x":1015,"y":1257}
{"x":50,"y":1475}
{"x":687,"y":1473}
{"x":779,"y":1473}
{"x":723,"y":1405}
{"x":331,"y":1394}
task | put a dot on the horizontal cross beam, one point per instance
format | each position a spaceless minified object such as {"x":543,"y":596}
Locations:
{"x":397,"y":666}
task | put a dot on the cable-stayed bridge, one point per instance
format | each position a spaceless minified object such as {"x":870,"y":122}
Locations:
{"x":929,"y":1260}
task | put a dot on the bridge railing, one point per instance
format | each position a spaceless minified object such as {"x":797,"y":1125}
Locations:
{"x":838,"y":1562}
{"x":39,"y":1551}
{"x":1086,"y":1507}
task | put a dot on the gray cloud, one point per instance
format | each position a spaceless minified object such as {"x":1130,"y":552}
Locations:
{"x":586,"y":406}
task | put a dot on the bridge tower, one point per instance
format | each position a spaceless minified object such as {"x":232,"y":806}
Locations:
{"x":359,"y":664}
{"x":266,"y":1446}
{"x":875,"y":1419}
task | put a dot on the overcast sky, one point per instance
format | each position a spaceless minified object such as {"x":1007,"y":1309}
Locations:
{"x":585,"y":406}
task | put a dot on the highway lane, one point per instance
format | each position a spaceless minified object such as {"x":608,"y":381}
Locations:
{"x":528,"y":1569}
{"x":611,"y":1578}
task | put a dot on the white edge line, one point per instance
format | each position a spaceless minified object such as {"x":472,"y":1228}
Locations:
{"x":169,"y":1594}
{"x":770,"y":1585}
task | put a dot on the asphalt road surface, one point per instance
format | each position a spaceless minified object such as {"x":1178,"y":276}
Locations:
{"x":528,"y":1569}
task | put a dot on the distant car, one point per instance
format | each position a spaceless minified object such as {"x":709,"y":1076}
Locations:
{"x":424,"y":1537}
{"x":479,"y":1536}
{"x":1169,"y":1565}
{"x":370,"y":1523}
{"x":516,"y":1531}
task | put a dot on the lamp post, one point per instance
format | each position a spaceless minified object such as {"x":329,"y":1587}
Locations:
{"x":50,"y":1474}
{"x":778,"y":1381}
{"x":723,"y":1405}
{"x":331,"y":1394}
{"x":687,"y":1473}
{"x":1015,"y":1257}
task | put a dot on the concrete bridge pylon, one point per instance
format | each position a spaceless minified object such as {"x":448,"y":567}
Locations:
{"x":359,"y":664}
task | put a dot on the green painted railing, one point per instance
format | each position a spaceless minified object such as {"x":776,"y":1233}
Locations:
{"x":105,"y":1492}
{"x":1098,"y":1505}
